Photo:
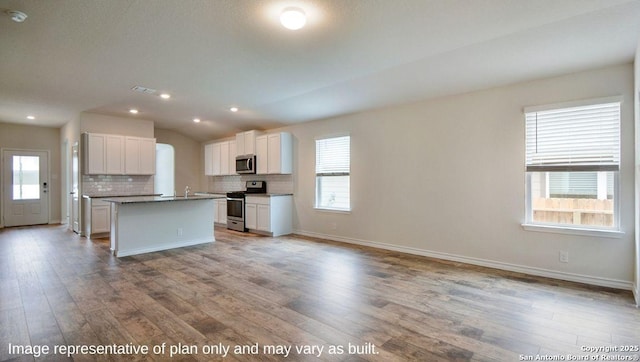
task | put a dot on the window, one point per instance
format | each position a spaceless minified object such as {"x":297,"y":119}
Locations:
{"x":26,"y":177}
{"x":572,"y":164}
{"x":332,"y":173}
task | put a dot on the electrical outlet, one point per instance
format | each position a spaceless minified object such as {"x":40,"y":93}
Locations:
{"x":179,"y":231}
{"x":564,"y":256}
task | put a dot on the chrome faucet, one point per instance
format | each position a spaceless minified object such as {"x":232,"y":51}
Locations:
{"x":186,"y":192}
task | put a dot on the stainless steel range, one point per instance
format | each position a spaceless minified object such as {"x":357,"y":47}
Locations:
{"x":235,"y":204}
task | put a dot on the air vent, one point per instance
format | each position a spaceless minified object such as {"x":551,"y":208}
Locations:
{"x":142,"y":89}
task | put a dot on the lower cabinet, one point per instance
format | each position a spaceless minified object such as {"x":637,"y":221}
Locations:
{"x":270,"y":215}
{"x":221,"y":212}
{"x":97,"y":217}
{"x":250,"y":217}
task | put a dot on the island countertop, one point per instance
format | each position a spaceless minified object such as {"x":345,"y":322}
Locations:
{"x":146,"y":199}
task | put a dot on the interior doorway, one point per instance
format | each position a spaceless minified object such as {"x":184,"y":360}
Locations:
{"x":164,"y":179}
{"x":26,"y":187}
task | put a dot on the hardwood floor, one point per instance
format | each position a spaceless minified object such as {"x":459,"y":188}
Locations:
{"x":58,"y":289}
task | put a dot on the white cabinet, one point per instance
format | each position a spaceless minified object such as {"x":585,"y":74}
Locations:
{"x":270,"y":215}
{"x":97,"y":217}
{"x":208,"y":159}
{"x":263,"y":217}
{"x":106,"y":154}
{"x":274,"y":153}
{"x":94,"y":146}
{"x":139,"y":156}
{"x":221,"y":211}
{"x":220,"y":158}
{"x":262,"y":154}
{"x":246,"y":142}
{"x":250,"y":217}
{"x":103,"y":154}
{"x":114,"y":152}
{"x":232,"y":157}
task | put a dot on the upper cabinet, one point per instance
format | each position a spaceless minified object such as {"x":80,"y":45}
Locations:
{"x":274,"y":153}
{"x":107,"y":154}
{"x":220,"y":158}
{"x":246,"y":143}
{"x":140,"y":156}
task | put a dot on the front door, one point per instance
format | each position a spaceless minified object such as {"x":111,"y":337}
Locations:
{"x":26,"y":187}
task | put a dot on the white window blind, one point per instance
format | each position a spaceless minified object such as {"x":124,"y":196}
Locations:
{"x":333,"y":163}
{"x":583,"y":138}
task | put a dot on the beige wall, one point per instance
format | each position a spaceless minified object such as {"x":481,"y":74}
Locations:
{"x":98,"y":123}
{"x":188,"y":159}
{"x":37,"y":138}
{"x":445,"y":178}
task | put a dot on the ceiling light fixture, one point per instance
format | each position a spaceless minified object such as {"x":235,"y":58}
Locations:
{"x":165,"y":96}
{"x":31,"y":117}
{"x":233,"y":109}
{"x":196,"y":120}
{"x":17,"y":16}
{"x":293,"y":18}
{"x":133,"y":111}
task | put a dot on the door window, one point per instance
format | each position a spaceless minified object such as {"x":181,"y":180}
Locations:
{"x":26,"y":177}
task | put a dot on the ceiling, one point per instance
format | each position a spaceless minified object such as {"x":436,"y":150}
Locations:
{"x":73,"y":56}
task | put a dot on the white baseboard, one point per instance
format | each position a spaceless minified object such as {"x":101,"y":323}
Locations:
{"x":636,"y":294}
{"x":121,"y":253}
{"x":54,"y":222}
{"x":586,"y":279}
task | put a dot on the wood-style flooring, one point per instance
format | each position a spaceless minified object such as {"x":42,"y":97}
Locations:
{"x":59,"y":289}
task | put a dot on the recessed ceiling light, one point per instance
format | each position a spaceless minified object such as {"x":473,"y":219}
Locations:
{"x":233,"y":109}
{"x":293,"y":18}
{"x":133,"y":111}
{"x":196,"y":120}
{"x":31,"y":117}
{"x":165,"y":96}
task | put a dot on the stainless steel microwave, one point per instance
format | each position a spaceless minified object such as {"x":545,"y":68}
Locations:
{"x":246,"y":164}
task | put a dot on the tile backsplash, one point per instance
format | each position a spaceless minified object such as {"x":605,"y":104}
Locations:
{"x":276,"y":184}
{"x":96,"y":185}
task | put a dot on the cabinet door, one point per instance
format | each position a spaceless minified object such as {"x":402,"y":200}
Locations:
{"x":274,"y":154}
{"x":222,"y":211}
{"x":232,"y":158}
{"x":262,"y":155}
{"x":114,"y":152}
{"x":250,"y":220}
{"x":208,"y":160}
{"x":250,"y":143}
{"x":224,"y":158}
{"x":95,"y":154}
{"x":131,"y":155}
{"x":240,"y":144}
{"x":263,"y":214}
{"x":216,"y":169}
{"x":100,"y":219}
{"x":147,"y":156}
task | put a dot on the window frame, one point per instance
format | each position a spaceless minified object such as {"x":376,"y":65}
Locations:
{"x":316,"y":204}
{"x":585,"y":230}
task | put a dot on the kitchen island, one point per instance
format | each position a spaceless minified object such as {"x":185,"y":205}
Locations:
{"x":145,"y":224}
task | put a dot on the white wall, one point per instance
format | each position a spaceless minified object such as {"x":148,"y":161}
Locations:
{"x":445,"y":177}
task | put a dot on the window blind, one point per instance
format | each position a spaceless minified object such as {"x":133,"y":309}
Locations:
{"x":584,"y":138}
{"x":333,"y":156}
{"x":333,"y":161}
